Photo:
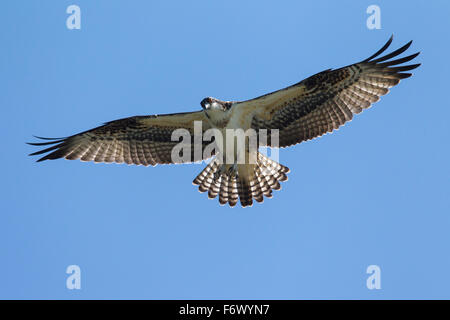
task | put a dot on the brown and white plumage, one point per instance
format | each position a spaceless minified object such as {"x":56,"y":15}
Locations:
{"x":141,"y":140}
{"x":303,"y":111}
{"x":326,"y":100}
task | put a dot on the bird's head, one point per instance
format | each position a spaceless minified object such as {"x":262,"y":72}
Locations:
{"x":212,"y":104}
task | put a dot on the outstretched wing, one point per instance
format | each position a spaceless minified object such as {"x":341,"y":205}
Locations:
{"x":325,"y":101}
{"x":137,"y":140}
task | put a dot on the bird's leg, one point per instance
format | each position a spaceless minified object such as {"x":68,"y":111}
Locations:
{"x":233,"y":170}
{"x":219,"y":172}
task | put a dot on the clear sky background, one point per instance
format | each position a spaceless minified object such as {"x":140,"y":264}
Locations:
{"x":376,"y":192}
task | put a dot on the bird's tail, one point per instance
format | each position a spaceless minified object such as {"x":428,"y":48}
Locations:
{"x":252,"y":181}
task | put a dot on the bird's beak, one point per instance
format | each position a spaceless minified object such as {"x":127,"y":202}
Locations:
{"x":204,"y":109}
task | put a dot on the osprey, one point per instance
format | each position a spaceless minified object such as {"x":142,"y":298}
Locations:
{"x":303,"y":111}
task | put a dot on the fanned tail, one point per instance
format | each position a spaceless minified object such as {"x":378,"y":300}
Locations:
{"x":250,"y":182}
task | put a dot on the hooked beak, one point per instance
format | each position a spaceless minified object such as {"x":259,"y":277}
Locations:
{"x":205,"y":111}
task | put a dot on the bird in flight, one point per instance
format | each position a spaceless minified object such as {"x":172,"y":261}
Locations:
{"x":300,"y":112}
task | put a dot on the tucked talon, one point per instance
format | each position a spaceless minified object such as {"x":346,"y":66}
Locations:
{"x":219,"y":172}
{"x":232,"y":170}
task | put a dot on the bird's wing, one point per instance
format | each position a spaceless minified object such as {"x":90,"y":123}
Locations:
{"x":145,"y":140}
{"x":325,"y":101}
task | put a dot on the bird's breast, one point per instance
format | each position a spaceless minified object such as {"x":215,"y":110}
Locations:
{"x":231,"y":129}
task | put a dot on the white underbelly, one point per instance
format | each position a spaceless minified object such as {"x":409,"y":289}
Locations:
{"x":234,"y":145}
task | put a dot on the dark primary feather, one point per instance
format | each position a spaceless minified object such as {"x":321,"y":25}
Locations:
{"x":325,"y":101}
{"x":140,"y":140}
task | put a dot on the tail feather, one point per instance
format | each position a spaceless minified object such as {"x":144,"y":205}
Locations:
{"x":253,"y":181}
{"x":214,"y":189}
{"x":206,"y":177}
{"x":265,"y":188}
{"x":223,"y":194}
{"x":232,"y":191}
{"x":245,"y":192}
{"x":257,"y":193}
{"x":199,"y":179}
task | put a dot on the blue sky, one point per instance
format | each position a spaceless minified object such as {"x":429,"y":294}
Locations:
{"x":376,"y":192}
